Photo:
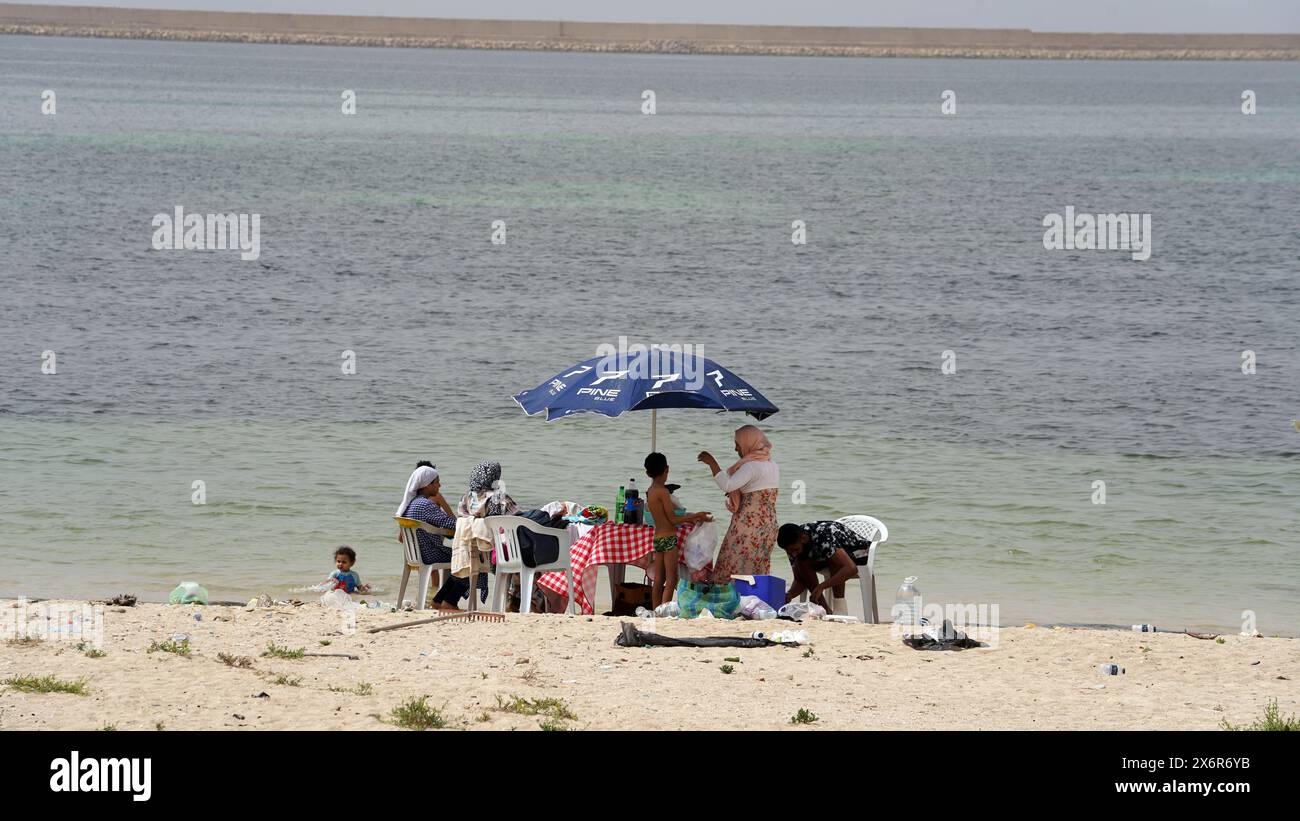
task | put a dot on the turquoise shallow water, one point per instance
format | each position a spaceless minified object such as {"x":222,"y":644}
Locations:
{"x":924,"y":236}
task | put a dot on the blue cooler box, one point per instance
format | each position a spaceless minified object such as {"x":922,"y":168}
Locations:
{"x":770,"y":589}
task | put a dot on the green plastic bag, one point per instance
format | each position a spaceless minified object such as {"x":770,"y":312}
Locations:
{"x":719,"y":599}
{"x":189,"y":593}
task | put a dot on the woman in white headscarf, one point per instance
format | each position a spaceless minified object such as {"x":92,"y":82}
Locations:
{"x":423,"y":501}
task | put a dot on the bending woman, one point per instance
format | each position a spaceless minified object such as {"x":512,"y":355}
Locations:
{"x":751,"y":485}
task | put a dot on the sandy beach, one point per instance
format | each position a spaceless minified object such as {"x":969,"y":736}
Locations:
{"x":855,"y":677}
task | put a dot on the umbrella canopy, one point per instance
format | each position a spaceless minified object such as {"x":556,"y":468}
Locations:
{"x":595,"y":386}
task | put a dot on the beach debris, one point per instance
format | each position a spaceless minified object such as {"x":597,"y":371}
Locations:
{"x":264,"y":600}
{"x":1109,"y":669}
{"x":801,"y":610}
{"x":189,"y":593}
{"x":474,"y":615}
{"x":1144,"y":628}
{"x":238,"y":716}
{"x":338,"y":600}
{"x":262,"y":695}
{"x":1252,"y":634}
{"x":1029,"y":625}
{"x":122,"y":600}
{"x":943,"y":637}
{"x":334,"y":655}
{"x":198,"y":617}
{"x":1202,"y":636}
{"x":629,"y":636}
{"x":864,"y":657}
{"x":1253,"y":663}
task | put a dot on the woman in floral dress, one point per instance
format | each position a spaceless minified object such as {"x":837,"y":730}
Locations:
{"x":751,"y":486}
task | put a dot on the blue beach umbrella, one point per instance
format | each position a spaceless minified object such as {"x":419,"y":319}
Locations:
{"x":662,"y":379}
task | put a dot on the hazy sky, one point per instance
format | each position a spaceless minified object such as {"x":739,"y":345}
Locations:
{"x":1256,"y":16}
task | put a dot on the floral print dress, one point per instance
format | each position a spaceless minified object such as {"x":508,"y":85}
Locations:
{"x":747,"y":548}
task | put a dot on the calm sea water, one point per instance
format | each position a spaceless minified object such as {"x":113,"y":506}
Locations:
{"x":924,"y":236}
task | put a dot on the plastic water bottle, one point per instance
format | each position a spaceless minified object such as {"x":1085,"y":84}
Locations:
{"x":618,"y":507}
{"x":1109,"y":669}
{"x":632,"y":498}
{"x":642,"y":613}
{"x":1144,"y":628}
{"x":907,"y":604}
{"x":668,"y":610}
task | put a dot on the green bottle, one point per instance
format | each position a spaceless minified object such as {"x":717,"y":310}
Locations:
{"x":618,"y":507}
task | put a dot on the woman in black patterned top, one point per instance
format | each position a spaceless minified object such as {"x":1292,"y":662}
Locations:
{"x":824,"y":546}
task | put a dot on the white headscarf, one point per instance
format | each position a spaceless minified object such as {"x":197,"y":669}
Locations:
{"x":420,"y":477}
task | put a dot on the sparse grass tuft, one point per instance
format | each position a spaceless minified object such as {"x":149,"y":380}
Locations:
{"x":276,"y":651}
{"x":1273,"y":721}
{"x":416,"y":714}
{"x":554,"y":708}
{"x":46,"y":684}
{"x":804,"y":717}
{"x":808,"y":653}
{"x":552,"y":725}
{"x":727,"y":669}
{"x":243,"y":662}
{"x":179,"y":648}
{"x":109,"y":728}
{"x":23,"y":641}
{"x":363,"y":688}
{"x":287,"y":681}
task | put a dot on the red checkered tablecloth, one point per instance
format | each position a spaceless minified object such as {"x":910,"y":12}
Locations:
{"x":607,"y":544}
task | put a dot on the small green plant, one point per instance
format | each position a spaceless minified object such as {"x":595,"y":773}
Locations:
{"x":109,"y":728}
{"x":1220,"y":640}
{"x":159,"y":726}
{"x":46,"y":684}
{"x":727,"y":669}
{"x":364,"y":688}
{"x":483,"y":717}
{"x":1273,"y":721}
{"x":276,"y":651}
{"x":288,"y":681}
{"x":808,"y":653}
{"x":23,"y":641}
{"x":179,"y":648}
{"x":804,"y":717}
{"x":552,"y":725}
{"x":552,"y":707}
{"x":235,"y":661}
{"x":92,"y":652}
{"x":416,"y":714}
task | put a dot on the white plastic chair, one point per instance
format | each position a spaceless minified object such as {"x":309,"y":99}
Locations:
{"x":414,"y":561}
{"x":874,"y":531}
{"x":510,"y":560}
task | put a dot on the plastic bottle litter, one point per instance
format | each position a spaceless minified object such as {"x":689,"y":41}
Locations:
{"x":1109,"y":669}
{"x":758,"y":634}
{"x":189,"y":593}
{"x":907,"y":604}
{"x":789,"y":637}
{"x":668,"y":610}
{"x":1144,"y":628}
{"x":643,"y":612}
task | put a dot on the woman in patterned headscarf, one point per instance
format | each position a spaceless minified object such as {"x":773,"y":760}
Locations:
{"x":486,"y":495}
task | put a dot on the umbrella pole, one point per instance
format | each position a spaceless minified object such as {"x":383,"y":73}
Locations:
{"x":654,"y":428}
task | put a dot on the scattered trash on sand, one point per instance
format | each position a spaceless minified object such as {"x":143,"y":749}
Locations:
{"x":945,"y":637}
{"x":189,"y":593}
{"x":1110,"y":669}
{"x":1144,"y":628}
{"x":122,"y":600}
{"x":629,"y":636}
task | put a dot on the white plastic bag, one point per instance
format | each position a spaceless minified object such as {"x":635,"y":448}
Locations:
{"x":338,"y":600}
{"x":752,"y":607}
{"x":800,"y":610}
{"x":700,"y":543}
